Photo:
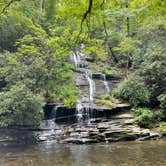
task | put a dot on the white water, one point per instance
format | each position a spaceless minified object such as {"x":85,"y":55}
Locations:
{"x":79,"y":60}
{"x":48,"y":124}
{"x":55,"y":111}
{"x":106,"y":83}
{"x":79,"y":109}
{"x":75,"y":60}
{"x":91,"y":86}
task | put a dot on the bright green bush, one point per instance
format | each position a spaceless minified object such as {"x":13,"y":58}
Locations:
{"x":133,"y":90}
{"x":110,"y":72}
{"x":144,"y":117}
{"x":106,"y":103}
{"x":70,"y":102}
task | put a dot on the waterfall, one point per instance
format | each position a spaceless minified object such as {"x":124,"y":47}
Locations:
{"x":55,"y":111}
{"x":106,"y":83}
{"x":82,"y":112}
{"x":48,"y":125}
{"x":79,"y":109}
{"x":91,"y":86}
{"x":77,"y":58}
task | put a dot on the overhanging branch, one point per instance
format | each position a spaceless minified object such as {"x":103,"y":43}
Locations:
{"x":85,"y":15}
{"x":8,"y":5}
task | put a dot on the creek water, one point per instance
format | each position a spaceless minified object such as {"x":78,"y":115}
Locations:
{"x":51,"y":153}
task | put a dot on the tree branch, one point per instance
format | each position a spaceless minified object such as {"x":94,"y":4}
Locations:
{"x":88,"y":11}
{"x":8,"y":5}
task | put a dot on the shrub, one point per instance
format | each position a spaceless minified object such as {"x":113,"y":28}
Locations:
{"x":158,"y":115}
{"x":106,"y":97}
{"x":106,"y":103}
{"x":20,"y":107}
{"x":70,"y":102}
{"x":144,"y":117}
{"x":162,"y":100}
{"x":133,"y":90}
{"x":110,"y":72}
{"x":154,"y":76}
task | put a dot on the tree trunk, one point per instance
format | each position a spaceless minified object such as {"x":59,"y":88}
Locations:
{"x":129,"y":55}
{"x":42,"y":5}
{"x":108,"y":44}
{"x":128,"y":20}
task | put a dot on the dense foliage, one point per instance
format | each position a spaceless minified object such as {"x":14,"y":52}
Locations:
{"x":37,"y":36}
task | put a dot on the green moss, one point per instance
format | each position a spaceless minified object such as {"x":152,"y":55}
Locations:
{"x":110,"y":72}
{"x":106,"y":103}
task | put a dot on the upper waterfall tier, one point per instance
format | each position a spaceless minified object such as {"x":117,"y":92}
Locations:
{"x":90,"y":88}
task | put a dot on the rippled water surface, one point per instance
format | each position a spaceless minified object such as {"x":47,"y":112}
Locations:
{"x":149,"y":153}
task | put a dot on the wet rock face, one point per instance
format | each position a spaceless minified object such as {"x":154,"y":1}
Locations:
{"x":121,"y":128}
{"x":92,"y":87}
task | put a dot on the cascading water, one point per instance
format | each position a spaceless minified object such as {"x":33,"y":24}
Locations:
{"x":106,"y":83}
{"x":92,"y":89}
{"x":55,"y":112}
{"x":48,"y":125}
{"x":79,"y":109}
{"x":84,"y":110}
{"x":77,"y":58}
{"x":86,"y":104}
{"x":91,"y":86}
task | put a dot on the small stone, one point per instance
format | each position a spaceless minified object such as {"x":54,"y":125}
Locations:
{"x":125,"y":116}
{"x":43,"y":138}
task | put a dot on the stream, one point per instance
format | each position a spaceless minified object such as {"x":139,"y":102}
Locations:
{"x":51,"y":153}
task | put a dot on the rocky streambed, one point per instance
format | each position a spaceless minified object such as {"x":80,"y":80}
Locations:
{"x":121,"y":127}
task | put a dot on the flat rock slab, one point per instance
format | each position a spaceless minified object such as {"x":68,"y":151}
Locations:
{"x":124,"y":116}
{"x":111,"y":131}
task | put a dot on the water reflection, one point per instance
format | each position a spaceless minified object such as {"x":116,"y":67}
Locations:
{"x":150,"y":153}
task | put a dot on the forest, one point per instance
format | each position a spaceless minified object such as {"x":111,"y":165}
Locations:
{"x":122,"y":38}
